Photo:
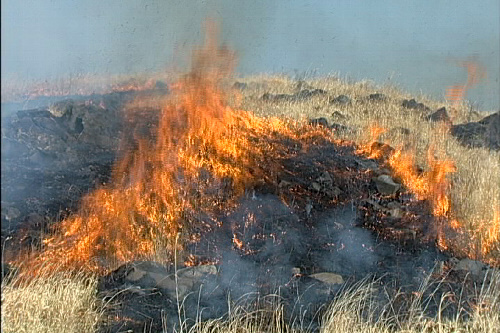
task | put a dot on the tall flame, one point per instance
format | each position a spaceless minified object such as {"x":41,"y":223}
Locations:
{"x":455,"y":94}
{"x":204,"y":156}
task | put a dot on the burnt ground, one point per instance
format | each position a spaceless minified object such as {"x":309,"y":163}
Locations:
{"x":321,"y":223}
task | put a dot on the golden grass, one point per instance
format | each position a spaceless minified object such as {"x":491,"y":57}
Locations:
{"x":51,"y":302}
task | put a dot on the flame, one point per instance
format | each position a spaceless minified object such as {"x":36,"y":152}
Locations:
{"x":434,"y":186}
{"x":204,"y":156}
{"x":492,"y":234}
{"x":456,"y":93}
{"x":431,"y":185}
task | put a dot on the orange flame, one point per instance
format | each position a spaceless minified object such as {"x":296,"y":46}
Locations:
{"x":433,"y":185}
{"x":456,"y":93}
{"x":204,"y":156}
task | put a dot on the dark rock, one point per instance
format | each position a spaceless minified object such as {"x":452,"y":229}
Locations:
{"x":337,"y":116}
{"x":440,"y":115}
{"x":341,"y":99}
{"x":377,"y":97}
{"x":160,"y":85}
{"x":339,"y":127}
{"x":240,"y":85}
{"x":413,"y":104}
{"x":305,"y":94}
{"x":300,"y":96}
{"x":484,"y":133}
{"x":384,"y":148}
{"x":319,"y":122}
{"x":385,"y":185}
{"x":399,"y":130}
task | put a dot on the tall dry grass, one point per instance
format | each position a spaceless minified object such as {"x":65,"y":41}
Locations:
{"x":54,"y":301}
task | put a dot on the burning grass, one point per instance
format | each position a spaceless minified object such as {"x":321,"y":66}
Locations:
{"x":463,"y":183}
{"x":203,"y":157}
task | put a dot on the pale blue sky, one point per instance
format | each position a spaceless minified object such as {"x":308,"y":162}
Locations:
{"x":414,"y":42}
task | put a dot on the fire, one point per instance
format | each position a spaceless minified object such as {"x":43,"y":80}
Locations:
{"x":433,"y":185}
{"x":456,"y":93}
{"x":492,"y":234}
{"x":204,"y":156}
{"x":430,"y":185}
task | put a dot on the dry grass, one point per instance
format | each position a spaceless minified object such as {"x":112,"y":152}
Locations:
{"x":475,"y":190}
{"x":52,"y":302}
{"x":68,"y":302}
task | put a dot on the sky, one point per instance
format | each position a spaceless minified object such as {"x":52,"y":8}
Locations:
{"x":412,"y":44}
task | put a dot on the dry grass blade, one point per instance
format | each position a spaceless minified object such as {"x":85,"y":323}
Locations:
{"x":51,"y":302}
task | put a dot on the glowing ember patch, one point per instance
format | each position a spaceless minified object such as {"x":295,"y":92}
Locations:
{"x":237,"y":242}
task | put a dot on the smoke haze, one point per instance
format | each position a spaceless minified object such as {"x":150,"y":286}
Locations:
{"x":411,"y":44}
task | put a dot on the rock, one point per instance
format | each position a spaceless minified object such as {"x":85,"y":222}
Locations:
{"x":160,"y":85}
{"x":377,"y":97}
{"x":197,"y":272}
{"x":475,"y":268}
{"x":396,"y":213}
{"x":325,"y":178}
{"x":315,"y":186}
{"x":399,"y":130}
{"x":328,"y":278}
{"x":439,"y":115}
{"x":341,"y":99}
{"x":300,"y":96}
{"x":62,"y":108}
{"x":394,"y":205}
{"x":413,"y":104}
{"x":337,"y":116}
{"x":385,"y":185}
{"x":151,"y":275}
{"x":319,"y":122}
{"x":339,"y":127}
{"x":383,"y":148}
{"x":484,"y":133}
{"x":240,"y":85}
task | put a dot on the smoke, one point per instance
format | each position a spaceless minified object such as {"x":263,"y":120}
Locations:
{"x":351,"y":248}
{"x":406,"y":44}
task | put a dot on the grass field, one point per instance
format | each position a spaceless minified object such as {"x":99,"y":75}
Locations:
{"x":68,"y":302}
